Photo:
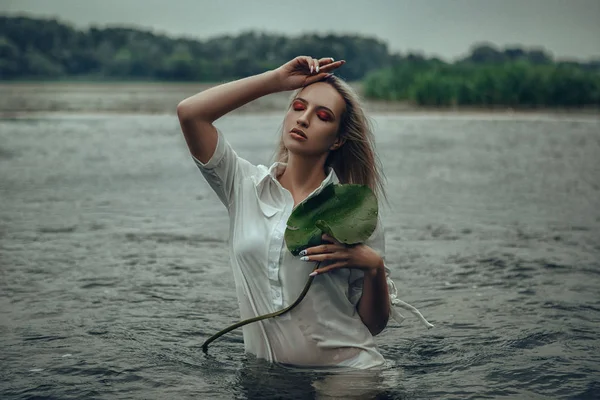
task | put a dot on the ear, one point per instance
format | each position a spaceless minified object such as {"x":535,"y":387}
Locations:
{"x":339,"y":142}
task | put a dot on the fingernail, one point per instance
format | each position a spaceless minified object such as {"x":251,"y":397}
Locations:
{"x":305,"y":258}
{"x":313,"y":273}
{"x":311,"y":69}
{"x":332,"y":60}
{"x":317,"y":69}
{"x":303,"y":253}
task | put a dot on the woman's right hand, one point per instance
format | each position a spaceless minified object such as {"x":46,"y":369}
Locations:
{"x":303,"y":70}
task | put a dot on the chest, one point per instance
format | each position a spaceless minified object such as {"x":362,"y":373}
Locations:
{"x":259,"y":224}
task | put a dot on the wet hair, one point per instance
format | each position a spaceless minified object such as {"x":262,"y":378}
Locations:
{"x":355,"y":161}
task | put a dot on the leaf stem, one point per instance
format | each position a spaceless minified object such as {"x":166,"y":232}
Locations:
{"x":261,"y":317}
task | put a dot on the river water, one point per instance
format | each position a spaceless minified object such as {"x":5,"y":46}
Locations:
{"x":114,"y":266}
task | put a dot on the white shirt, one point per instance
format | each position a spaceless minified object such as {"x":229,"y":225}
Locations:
{"x":325,"y":329}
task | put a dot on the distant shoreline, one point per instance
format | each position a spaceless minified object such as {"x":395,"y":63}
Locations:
{"x":142,"y":97}
{"x":415,"y":113}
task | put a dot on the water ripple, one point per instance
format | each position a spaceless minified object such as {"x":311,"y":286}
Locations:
{"x":114,"y":250}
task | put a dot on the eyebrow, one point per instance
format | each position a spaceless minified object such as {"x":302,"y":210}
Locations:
{"x":323,"y":107}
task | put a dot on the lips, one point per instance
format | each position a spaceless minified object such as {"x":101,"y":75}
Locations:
{"x":299,"y":133}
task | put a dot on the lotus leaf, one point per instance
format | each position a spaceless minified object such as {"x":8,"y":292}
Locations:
{"x":346,"y":212}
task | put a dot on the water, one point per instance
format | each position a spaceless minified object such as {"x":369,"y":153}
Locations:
{"x":114,"y":268}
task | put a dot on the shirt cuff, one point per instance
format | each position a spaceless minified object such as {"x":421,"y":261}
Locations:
{"x":217,"y":155}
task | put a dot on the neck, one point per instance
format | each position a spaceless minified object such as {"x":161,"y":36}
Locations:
{"x":303,"y":175}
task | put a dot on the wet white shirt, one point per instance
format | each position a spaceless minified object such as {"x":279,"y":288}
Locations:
{"x":325,"y":329}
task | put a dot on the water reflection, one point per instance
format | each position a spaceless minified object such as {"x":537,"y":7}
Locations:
{"x":258,"y":379}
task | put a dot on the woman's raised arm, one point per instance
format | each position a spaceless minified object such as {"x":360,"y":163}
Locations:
{"x":198,"y":112}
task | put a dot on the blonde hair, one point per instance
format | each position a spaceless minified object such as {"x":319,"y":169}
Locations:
{"x":355,"y":161}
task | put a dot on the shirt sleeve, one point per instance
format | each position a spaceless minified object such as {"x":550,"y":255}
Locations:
{"x":377,"y":243}
{"x":225,"y":170}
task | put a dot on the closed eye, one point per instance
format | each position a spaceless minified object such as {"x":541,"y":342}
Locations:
{"x":324,"y":115}
{"x":297,"y":105}
{"x":322,"y":112}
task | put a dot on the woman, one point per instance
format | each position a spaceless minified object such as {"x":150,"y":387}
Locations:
{"x":325,"y":140}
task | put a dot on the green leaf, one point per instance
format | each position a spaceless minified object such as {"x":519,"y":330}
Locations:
{"x":346,"y":212}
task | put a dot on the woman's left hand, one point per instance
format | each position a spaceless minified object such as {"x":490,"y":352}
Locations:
{"x":343,"y":256}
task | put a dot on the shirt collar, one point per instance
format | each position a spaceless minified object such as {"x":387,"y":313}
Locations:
{"x":278,"y":168}
{"x":265,"y":199}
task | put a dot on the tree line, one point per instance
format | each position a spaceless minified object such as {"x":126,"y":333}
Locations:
{"x":33,"y":48}
{"x":37,"y":48}
{"x":514,"y":81}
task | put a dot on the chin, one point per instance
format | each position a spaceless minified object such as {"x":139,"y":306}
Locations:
{"x":294,"y":146}
{"x":298,"y":151}
{"x":302,"y":149}
{"x":294,"y":149}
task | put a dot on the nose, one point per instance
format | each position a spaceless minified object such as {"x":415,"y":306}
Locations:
{"x":303,"y":119}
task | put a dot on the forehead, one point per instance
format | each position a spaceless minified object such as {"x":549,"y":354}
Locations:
{"x":323,"y":94}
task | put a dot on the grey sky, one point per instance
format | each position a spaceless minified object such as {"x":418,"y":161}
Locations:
{"x":446,"y":28}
